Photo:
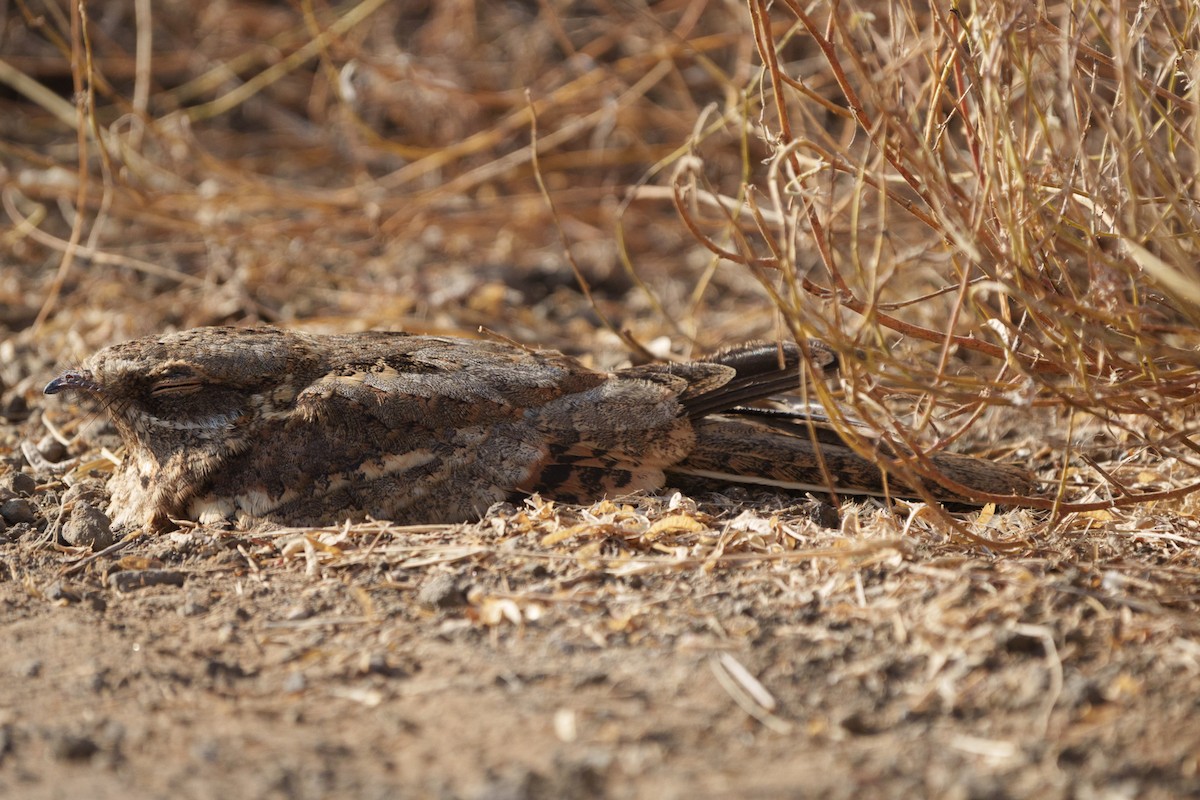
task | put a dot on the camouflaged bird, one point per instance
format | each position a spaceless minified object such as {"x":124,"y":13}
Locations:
{"x":246,"y":424}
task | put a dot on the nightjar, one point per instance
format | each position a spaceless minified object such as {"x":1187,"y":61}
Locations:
{"x":246,"y":424}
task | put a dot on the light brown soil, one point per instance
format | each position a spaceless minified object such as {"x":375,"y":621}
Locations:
{"x":484,"y":662}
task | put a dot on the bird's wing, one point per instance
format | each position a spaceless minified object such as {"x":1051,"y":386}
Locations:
{"x":410,"y":428}
{"x":436,"y":383}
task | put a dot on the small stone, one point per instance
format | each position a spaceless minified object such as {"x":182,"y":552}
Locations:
{"x":22,"y":483}
{"x":131,"y":580}
{"x":87,"y":526}
{"x":17,"y":510}
{"x":295,"y":683}
{"x":89,"y":490}
{"x":74,"y":747}
{"x":82,"y":523}
{"x":190,"y":608}
{"x":52,"y":449}
{"x":441,"y":591}
{"x":206,"y":750}
{"x":15,"y":409}
{"x":297,"y":612}
{"x":17,"y":531}
{"x":376,"y":663}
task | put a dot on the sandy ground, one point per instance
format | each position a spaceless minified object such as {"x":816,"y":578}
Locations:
{"x":487,"y":661}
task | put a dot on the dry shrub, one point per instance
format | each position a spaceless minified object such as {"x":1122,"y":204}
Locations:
{"x":991,"y":206}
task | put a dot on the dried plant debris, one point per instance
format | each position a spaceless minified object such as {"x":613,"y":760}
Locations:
{"x":987,"y":212}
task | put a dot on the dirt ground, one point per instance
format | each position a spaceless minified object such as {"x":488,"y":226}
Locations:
{"x":785,"y":660}
{"x":714,"y":645}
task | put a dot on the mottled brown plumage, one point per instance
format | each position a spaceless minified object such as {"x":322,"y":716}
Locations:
{"x":261,"y":423}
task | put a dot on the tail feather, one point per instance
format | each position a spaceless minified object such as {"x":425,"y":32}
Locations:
{"x":761,"y":369}
{"x":743,"y":451}
{"x":742,"y":374}
{"x":783,"y":446}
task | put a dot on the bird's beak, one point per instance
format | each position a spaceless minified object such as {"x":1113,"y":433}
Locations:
{"x":73,"y":379}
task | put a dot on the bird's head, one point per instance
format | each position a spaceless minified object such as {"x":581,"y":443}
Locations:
{"x":191,"y":387}
{"x":184,"y":404}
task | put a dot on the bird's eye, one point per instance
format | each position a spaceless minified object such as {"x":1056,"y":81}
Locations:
{"x":174,"y":386}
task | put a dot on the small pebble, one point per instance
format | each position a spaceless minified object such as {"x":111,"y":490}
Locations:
{"x":190,"y":608}
{"x":57,"y":592}
{"x":74,"y":747}
{"x":294,"y":683}
{"x":52,"y":449}
{"x":87,"y":526}
{"x":376,"y":662}
{"x":297,"y":612}
{"x":82,"y":523}
{"x":441,"y":591}
{"x":17,"y":510}
{"x":22,"y":483}
{"x":129,"y":580}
